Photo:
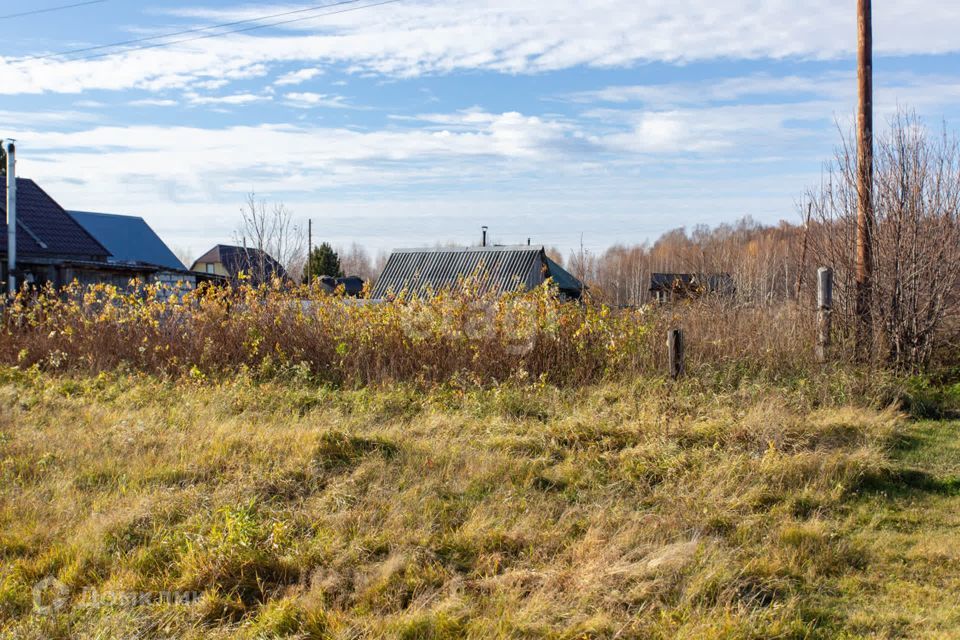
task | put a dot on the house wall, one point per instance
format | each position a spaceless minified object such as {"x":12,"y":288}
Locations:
{"x":174,"y":283}
{"x":60,"y":276}
{"x":217,"y":268}
{"x":87,"y":277}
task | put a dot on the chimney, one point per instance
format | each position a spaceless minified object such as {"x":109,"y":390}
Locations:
{"x":11,"y":150}
{"x":483,"y":242}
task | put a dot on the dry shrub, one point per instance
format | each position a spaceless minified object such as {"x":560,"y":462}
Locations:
{"x":471,"y":335}
{"x":915,"y":241}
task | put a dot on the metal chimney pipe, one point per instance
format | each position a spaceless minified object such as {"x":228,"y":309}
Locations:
{"x":11,"y":150}
{"x":483,"y":243}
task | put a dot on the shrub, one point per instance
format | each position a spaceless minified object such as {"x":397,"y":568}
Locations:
{"x":299,"y":333}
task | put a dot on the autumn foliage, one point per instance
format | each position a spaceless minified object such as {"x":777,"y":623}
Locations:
{"x":275,"y":330}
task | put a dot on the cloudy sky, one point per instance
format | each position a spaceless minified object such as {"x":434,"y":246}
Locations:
{"x":417,"y":121}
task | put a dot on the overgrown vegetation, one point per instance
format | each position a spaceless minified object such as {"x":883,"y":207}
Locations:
{"x":643,"y":510}
{"x":275,"y":331}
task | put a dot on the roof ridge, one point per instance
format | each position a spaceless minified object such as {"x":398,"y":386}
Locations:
{"x":497,"y":247}
{"x":69,"y":217}
{"x":107,"y":214}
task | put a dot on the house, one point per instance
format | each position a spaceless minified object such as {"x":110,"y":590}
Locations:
{"x":501,"y":269}
{"x":52,"y":247}
{"x":128,"y":238}
{"x":131,"y":241}
{"x":669,"y":287}
{"x":352,"y":285}
{"x":230,"y":262}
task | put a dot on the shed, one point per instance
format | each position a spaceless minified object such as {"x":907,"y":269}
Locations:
{"x":667,"y":287}
{"x":501,"y":269}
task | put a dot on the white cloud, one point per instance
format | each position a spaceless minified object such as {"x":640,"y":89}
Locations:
{"x":297,"y":77}
{"x":15,"y":121}
{"x":233,"y":99}
{"x":432,"y":37}
{"x":153,"y":102}
{"x":209,"y":85}
{"x":307,"y":100}
{"x":833,"y":85}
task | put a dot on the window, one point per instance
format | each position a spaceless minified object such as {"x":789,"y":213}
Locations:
{"x":210,"y":267}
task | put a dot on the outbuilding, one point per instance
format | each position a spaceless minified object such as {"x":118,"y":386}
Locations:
{"x":501,"y":269}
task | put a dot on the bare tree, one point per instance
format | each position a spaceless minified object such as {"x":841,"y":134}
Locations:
{"x":270,"y":236}
{"x":184,"y":255}
{"x":915,"y":244}
{"x":355,"y":261}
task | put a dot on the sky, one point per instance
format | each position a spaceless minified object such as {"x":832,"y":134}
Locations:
{"x":413,"y":122}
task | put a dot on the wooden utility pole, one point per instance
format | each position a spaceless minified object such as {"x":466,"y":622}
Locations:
{"x":309,"y":250}
{"x":864,"y":177}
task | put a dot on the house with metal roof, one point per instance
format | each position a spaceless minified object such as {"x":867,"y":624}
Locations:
{"x":230,"y":262}
{"x":128,"y":238}
{"x":501,"y":269}
{"x":668,"y":287}
{"x":52,"y":246}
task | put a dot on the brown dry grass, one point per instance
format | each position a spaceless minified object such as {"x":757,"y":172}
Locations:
{"x":621,"y":510}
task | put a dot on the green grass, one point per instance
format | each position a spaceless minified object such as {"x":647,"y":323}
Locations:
{"x":642,"y":510}
{"x":910,"y":520}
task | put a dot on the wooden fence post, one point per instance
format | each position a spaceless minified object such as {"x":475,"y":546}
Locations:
{"x":824,"y":311}
{"x":675,"y":352}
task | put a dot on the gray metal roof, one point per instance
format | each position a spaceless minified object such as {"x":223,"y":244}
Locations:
{"x":499,"y":269}
{"x":129,"y":239}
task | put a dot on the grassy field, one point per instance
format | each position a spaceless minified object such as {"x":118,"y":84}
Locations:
{"x":142,"y":508}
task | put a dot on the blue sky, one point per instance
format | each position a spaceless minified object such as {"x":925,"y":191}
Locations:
{"x":418,"y":121}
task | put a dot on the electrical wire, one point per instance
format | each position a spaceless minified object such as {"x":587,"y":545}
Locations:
{"x":34,"y":12}
{"x":158,"y":45}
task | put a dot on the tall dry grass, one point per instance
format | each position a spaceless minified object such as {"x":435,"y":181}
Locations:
{"x":637,"y":510}
{"x":477,"y":336}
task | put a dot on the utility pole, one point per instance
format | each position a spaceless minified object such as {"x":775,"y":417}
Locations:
{"x":309,"y":250}
{"x":864,"y":177}
{"x":11,"y":150}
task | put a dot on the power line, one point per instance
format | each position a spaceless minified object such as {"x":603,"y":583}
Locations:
{"x":126,"y":43}
{"x":34,"y":12}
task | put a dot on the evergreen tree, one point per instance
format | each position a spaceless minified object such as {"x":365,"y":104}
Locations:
{"x":323,"y":261}
{"x":3,"y":162}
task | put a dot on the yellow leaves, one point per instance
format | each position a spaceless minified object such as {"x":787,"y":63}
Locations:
{"x":475,"y":333}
